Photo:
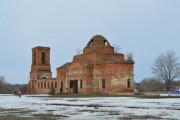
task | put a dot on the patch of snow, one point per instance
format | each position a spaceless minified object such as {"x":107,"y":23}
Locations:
{"x":94,"y":108}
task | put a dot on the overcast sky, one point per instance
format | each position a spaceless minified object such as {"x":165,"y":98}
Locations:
{"x":144,"y":27}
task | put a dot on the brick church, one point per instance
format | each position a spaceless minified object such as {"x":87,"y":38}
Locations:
{"x":99,"y":70}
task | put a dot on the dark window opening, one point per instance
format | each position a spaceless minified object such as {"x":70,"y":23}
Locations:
{"x":105,"y":43}
{"x":62,"y":84}
{"x":34,"y":59}
{"x":71,"y":83}
{"x":41,"y":85}
{"x":43,"y":58}
{"x":103,"y":83}
{"x":128,"y":83}
{"x":44,"y":85}
{"x":44,"y":77}
{"x":90,"y":44}
{"x":81,"y":84}
{"x":55,"y":84}
{"x":48,"y":85}
{"x":51,"y":84}
{"x":38,"y":85}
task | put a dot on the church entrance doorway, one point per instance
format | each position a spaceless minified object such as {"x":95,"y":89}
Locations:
{"x":74,"y":86}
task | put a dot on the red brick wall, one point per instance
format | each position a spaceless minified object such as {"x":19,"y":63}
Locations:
{"x":41,"y":86}
{"x":115,"y":74}
{"x":97,"y":63}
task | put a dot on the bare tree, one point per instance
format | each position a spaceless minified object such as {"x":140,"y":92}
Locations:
{"x":24,"y":88}
{"x":79,"y":51}
{"x":129,"y":57}
{"x":2,"y":83}
{"x":167,"y":68}
{"x":150,"y":84}
{"x":116,"y":48}
{"x":2,"y":78}
{"x":7,"y":88}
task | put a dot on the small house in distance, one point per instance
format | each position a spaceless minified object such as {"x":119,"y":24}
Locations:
{"x":98,"y":70}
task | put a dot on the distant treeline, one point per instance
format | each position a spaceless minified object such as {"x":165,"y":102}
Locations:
{"x":7,"y":88}
{"x":153,"y":84}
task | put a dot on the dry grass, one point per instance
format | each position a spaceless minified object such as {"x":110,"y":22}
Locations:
{"x":145,"y":117}
{"x":25,"y":114}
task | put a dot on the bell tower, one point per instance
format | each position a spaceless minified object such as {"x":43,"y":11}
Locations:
{"x":40,"y":68}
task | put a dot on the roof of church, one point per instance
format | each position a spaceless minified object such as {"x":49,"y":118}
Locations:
{"x":41,"y":47}
{"x":98,"y":41}
{"x":64,"y":66}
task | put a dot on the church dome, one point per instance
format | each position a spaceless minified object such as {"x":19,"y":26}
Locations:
{"x":98,"y":41}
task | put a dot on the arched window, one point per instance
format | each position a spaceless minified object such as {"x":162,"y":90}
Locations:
{"x":103,"y":83}
{"x":105,"y":43}
{"x":41,"y":85}
{"x":128,"y":83}
{"x":90,"y":44}
{"x":62,"y":84}
{"x":34,"y":61}
{"x":45,"y":85}
{"x":81,"y":84}
{"x":48,"y":85}
{"x":52,"y":85}
{"x":43,"y":58}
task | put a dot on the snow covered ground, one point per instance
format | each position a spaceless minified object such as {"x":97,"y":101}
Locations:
{"x":88,"y":108}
